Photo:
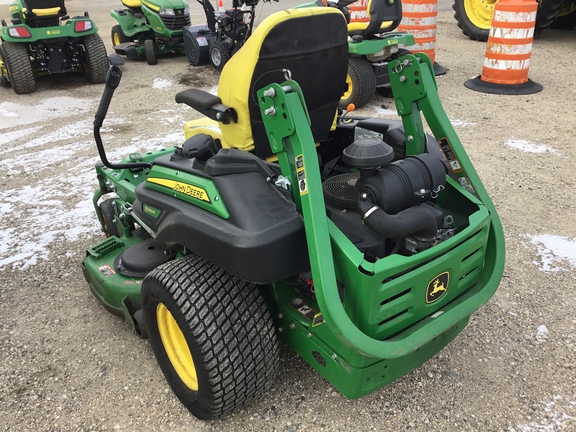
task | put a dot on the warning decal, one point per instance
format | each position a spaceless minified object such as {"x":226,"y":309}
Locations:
{"x":106,"y":270}
{"x":449,"y":153}
{"x":301,"y":172}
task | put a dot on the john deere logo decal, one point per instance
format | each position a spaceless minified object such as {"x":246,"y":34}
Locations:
{"x":437,"y":287}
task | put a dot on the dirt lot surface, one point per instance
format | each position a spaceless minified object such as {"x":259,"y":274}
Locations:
{"x":67,"y":364}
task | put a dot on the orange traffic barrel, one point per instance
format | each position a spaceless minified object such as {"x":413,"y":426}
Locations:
{"x":508,"y":50}
{"x":358,"y":11}
{"x":419,"y":18}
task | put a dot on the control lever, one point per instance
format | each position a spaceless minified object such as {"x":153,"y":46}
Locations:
{"x":112,"y":81}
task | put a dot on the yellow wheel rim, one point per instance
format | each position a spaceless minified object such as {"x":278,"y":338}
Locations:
{"x":116,"y":39}
{"x":480,"y":12}
{"x":348,"y":91}
{"x":176,"y":347}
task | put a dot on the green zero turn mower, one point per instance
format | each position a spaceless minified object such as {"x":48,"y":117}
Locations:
{"x":147,"y":29}
{"x":474,"y":16}
{"x":42,"y":39}
{"x":364,"y":244}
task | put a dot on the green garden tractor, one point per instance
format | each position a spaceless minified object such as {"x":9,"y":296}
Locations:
{"x":42,"y":40}
{"x":372,"y":45}
{"x":364,"y":244}
{"x":147,"y":29}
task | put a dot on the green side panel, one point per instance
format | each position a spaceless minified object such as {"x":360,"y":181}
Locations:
{"x":372,"y":46}
{"x":195,"y":190}
{"x":131,"y":25}
{"x":119,"y":294}
{"x":351,"y":374}
{"x":156,"y":24}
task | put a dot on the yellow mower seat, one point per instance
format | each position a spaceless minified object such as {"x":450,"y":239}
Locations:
{"x":312,"y":44}
{"x":132,"y":4}
{"x":40,"y":13}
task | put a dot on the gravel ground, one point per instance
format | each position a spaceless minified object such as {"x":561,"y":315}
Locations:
{"x":66,"y":364}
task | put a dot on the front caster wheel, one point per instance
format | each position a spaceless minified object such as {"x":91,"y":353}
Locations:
{"x":212,"y":335}
{"x":150,"y":52}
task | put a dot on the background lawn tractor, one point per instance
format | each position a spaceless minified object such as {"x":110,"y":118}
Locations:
{"x":363,"y":243}
{"x":43,"y":40}
{"x":372,"y":45}
{"x":147,"y":29}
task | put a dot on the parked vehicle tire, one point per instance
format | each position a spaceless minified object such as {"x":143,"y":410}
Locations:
{"x":220,"y":53}
{"x":4,"y":82}
{"x":361,"y":83}
{"x":548,"y":11}
{"x":18,"y":67}
{"x":118,"y":36}
{"x":212,"y":335}
{"x":150,"y":51}
{"x":96,"y":60}
{"x":108,"y":210}
{"x":475,"y":16}
{"x":566,"y":19}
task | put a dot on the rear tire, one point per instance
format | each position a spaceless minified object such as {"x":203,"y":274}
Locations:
{"x":566,"y":19}
{"x":96,"y":59}
{"x":474,"y":17}
{"x":220,"y":53}
{"x":212,"y":336}
{"x":361,"y":83}
{"x":548,"y":11}
{"x":118,"y":36}
{"x":150,"y":51}
{"x":18,"y":67}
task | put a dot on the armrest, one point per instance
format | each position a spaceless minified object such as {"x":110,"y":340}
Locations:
{"x":208,"y":104}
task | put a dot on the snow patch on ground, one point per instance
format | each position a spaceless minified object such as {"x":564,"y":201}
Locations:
{"x":529,"y":147}
{"x":559,"y":414}
{"x":59,"y":208}
{"x":556,"y":253}
{"x":383,"y":111}
{"x":14,"y":114}
{"x":462,"y":123}
{"x":161,"y":83}
{"x":11,"y":137}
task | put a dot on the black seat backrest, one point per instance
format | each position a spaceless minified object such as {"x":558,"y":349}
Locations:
{"x":313,"y":45}
{"x":381,"y":11}
{"x":43,"y":4}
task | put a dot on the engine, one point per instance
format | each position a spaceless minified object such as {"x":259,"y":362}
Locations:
{"x":385,"y":206}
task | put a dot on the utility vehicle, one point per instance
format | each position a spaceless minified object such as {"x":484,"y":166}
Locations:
{"x":364,"y":243}
{"x":43,"y":40}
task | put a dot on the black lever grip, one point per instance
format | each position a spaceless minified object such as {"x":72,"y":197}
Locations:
{"x":112,"y":81}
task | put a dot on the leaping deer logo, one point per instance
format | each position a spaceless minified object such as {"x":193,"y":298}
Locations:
{"x":437,"y":287}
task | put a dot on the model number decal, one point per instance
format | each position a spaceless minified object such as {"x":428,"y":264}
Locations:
{"x":183,"y":188}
